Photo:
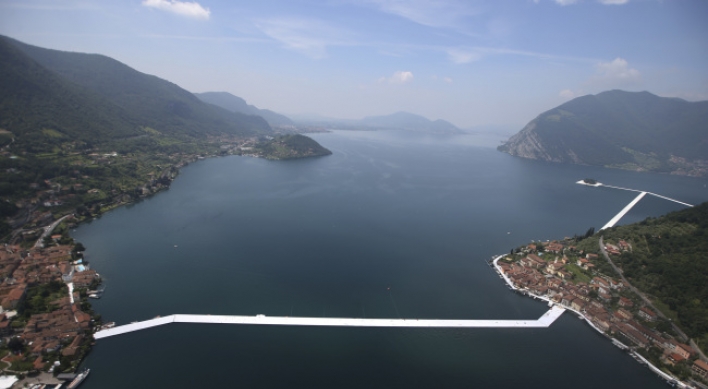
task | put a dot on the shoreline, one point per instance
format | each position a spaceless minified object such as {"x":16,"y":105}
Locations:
{"x":663,"y":375}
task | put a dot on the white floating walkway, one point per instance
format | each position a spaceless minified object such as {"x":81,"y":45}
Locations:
{"x":629,"y":206}
{"x":543,"y":322}
{"x":623,"y":212}
{"x":650,"y":193}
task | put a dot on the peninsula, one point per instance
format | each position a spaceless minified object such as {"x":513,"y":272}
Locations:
{"x":641,"y":285}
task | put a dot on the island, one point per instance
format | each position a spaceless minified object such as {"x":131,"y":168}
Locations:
{"x":641,"y":285}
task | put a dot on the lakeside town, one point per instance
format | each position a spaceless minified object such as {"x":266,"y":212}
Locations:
{"x":562,"y":273}
{"x":46,"y":319}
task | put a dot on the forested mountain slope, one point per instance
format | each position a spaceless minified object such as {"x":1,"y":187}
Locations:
{"x":632,"y":130}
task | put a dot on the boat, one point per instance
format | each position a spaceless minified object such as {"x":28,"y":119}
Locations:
{"x":79,"y":379}
{"x":94,"y":296}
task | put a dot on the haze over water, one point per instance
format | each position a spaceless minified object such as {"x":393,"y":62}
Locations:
{"x":391,"y":225}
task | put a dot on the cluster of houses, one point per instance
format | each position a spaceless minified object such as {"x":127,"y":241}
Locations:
{"x":63,"y":329}
{"x":598,"y":300}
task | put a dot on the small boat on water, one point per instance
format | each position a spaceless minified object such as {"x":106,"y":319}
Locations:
{"x":79,"y":379}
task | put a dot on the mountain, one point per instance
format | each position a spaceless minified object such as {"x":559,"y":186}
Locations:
{"x":631,"y":130}
{"x":34,"y":100}
{"x":127,"y":100}
{"x":236,"y":104}
{"x":397,"y":121}
{"x":410,"y":122}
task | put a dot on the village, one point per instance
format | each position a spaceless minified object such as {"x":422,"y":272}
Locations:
{"x":565,"y":275}
{"x":46,"y":322}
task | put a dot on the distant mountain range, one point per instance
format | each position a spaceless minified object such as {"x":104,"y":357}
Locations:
{"x":630,"y":130}
{"x":236,"y":104}
{"x":95,"y":99}
{"x":396,"y":121}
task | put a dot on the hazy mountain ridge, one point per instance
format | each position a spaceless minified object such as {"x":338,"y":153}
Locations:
{"x":410,"y":122}
{"x":237,"y":104}
{"x":144,"y":100}
{"x":396,"y":121}
{"x":632,"y":130}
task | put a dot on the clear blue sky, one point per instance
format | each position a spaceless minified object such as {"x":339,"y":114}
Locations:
{"x":470,"y":62}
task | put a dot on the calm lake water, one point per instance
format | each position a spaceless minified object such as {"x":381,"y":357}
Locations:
{"x":390,"y":225}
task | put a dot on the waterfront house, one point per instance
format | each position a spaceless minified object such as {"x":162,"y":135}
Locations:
{"x":673,"y":359}
{"x":567,"y":299}
{"x":681,"y":349}
{"x":554,"y":247}
{"x":602,"y":321}
{"x":700,"y":368}
{"x":630,"y":333}
{"x":578,"y":304}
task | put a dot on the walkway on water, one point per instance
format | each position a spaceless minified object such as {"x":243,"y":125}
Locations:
{"x":629,"y":206}
{"x":543,"y":322}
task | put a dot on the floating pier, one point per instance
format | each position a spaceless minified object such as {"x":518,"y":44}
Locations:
{"x":543,"y":322}
{"x":629,"y":206}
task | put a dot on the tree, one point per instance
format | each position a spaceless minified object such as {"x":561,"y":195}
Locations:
{"x":79,"y":248}
{"x":590,"y":232}
{"x":15,"y":345}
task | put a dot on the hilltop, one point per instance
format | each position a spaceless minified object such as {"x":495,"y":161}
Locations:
{"x":629,"y":130}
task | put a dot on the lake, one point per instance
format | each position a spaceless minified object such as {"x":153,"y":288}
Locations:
{"x":392,"y":224}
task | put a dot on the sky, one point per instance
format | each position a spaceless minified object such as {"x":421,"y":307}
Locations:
{"x":474,"y":63}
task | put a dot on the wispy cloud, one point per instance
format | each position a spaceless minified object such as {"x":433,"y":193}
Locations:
{"x":399,"y":77}
{"x":432,"y":13}
{"x":463,"y":55}
{"x":184,"y":8}
{"x":566,"y":2}
{"x":614,"y":2}
{"x":308,"y":36}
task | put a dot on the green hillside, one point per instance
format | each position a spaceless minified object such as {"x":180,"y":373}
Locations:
{"x":41,"y":109}
{"x":147,"y":100}
{"x":669,"y":262}
{"x":291,"y":147}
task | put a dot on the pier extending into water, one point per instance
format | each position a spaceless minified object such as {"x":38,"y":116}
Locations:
{"x":629,"y":206}
{"x":543,"y":322}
